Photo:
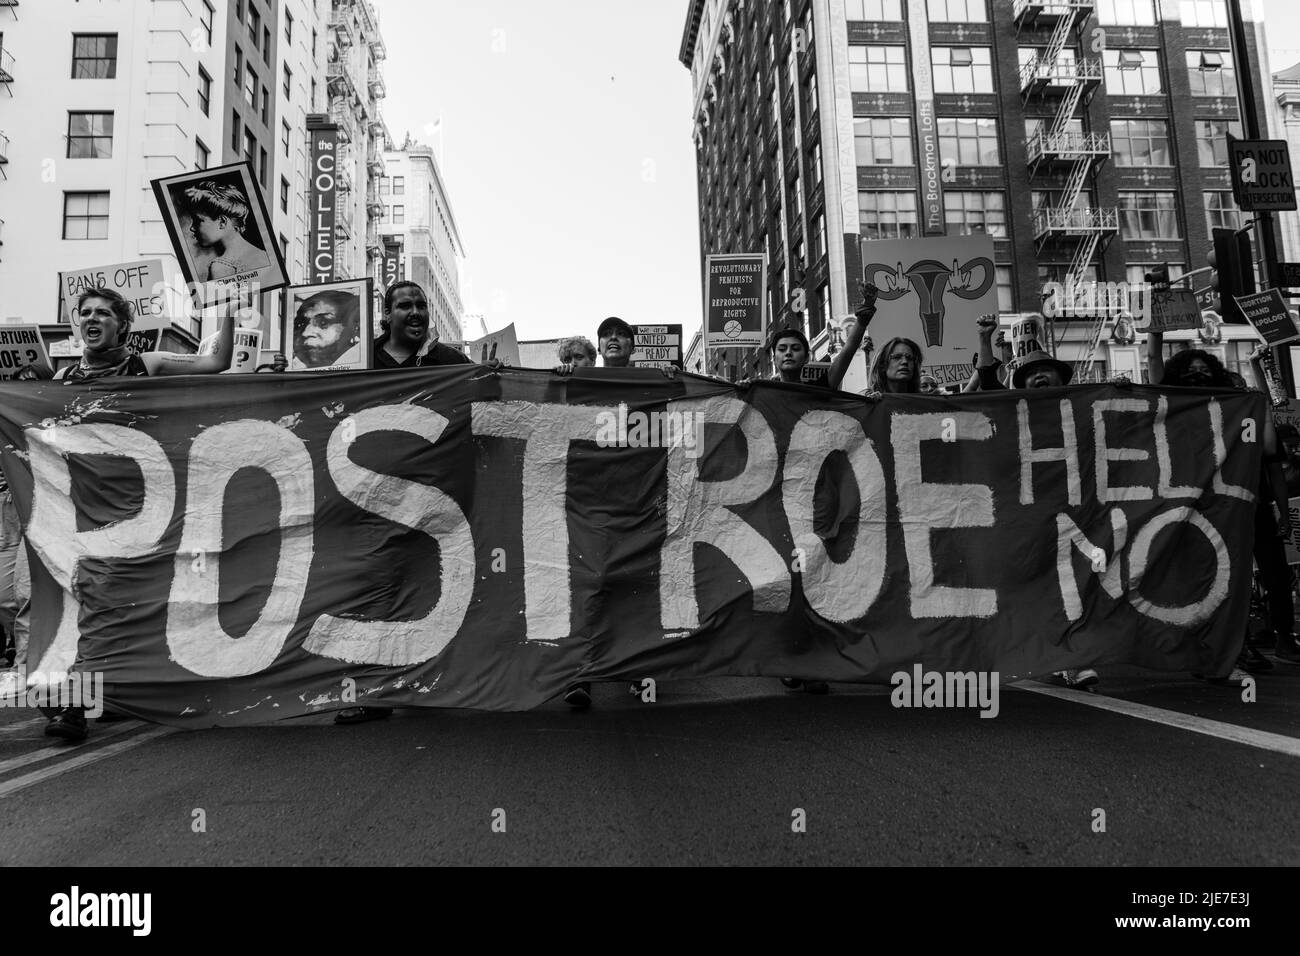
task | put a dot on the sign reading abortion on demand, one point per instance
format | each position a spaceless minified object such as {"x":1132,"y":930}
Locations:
{"x":284,"y":545}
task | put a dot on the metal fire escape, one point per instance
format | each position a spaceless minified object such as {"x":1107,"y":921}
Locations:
{"x":1058,"y":147}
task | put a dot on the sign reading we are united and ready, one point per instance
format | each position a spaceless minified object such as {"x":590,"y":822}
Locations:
{"x":657,"y":346}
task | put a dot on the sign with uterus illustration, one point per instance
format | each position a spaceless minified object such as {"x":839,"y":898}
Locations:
{"x":933,"y":291}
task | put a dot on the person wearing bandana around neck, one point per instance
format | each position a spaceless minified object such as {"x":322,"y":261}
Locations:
{"x":105,"y":321}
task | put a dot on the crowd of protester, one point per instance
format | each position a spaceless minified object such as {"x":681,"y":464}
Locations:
{"x":408,"y":341}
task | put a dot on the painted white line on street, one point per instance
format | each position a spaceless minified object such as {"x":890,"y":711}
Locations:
{"x":1171,"y":718}
{"x":100,"y":753}
{"x":62,"y":749}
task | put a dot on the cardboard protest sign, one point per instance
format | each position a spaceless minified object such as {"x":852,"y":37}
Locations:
{"x":1268,"y":313}
{"x":221,"y":233}
{"x":1174,"y":309}
{"x":502,"y":346}
{"x":21,"y":346}
{"x":736,"y":314}
{"x":141,"y":283}
{"x":816,"y":373}
{"x":247,"y":354}
{"x":657,"y":346}
{"x":933,"y":291}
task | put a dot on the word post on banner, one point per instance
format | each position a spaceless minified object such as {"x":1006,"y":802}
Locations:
{"x":280,"y":551}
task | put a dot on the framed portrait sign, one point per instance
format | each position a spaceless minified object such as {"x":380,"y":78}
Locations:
{"x":329,"y":327}
{"x":221,"y":232}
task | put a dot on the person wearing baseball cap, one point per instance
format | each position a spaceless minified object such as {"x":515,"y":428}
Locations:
{"x":616,"y":339}
{"x":1036,"y":370}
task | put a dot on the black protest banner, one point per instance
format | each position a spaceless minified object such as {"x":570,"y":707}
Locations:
{"x":232,"y":549}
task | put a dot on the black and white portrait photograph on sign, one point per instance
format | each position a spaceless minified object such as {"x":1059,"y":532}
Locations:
{"x":328,"y":326}
{"x":221,"y":232}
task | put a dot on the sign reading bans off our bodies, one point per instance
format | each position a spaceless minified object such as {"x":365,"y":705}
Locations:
{"x":446,"y":538}
{"x":141,"y":283}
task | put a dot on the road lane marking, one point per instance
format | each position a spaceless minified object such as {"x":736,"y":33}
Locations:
{"x":99,"y":753}
{"x":62,"y":749}
{"x":1171,"y":718}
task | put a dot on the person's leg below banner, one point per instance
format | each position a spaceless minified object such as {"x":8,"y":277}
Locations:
{"x":1275,"y":575}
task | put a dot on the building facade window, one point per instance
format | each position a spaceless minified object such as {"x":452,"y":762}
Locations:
{"x":284,"y":194}
{"x":962,"y":69}
{"x":1140,"y":142}
{"x":254,"y":22}
{"x":205,"y":91}
{"x":266,"y":45}
{"x":1148,"y":215}
{"x":1006,"y":288}
{"x":288,"y":27}
{"x":399,"y":215}
{"x":1126,"y":13}
{"x":1210,"y":73}
{"x":284,"y":135}
{"x":206,"y":13}
{"x":262,"y":167}
{"x":234,"y":130}
{"x":873,"y":10}
{"x":250,"y":88}
{"x":877,"y":69}
{"x":1203,"y":13}
{"x":958,"y":11}
{"x":94,"y":56}
{"x":266,"y":105}
{"x":1212,"y":140}
{"x":239,"y":67}
{"x":883,"y":141}
{"x":888,"y":215}
{"x":250,"y":148}
{"x":85,"y":215}
{"x":819,"y":238}
{"x":969,"y":142}
{"x":288,"y":83}
{"x":975,"y":214}
{"x":201,"y":154}
{"x":1221,"y":211}
{"x":90,"y":135}
{"x":399,"y":185}
{"x":1132,"y":72}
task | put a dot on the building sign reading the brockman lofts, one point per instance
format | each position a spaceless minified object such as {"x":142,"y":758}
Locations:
{"x":324,"y":184}
{"x":932,"y":217}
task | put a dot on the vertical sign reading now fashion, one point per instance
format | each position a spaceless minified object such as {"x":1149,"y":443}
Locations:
{"x":324,"y":186}
{"x":927,"y":137}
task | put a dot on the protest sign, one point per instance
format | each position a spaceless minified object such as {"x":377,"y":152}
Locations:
{"x":502,"y":346}
{"x":933,"y":291}
{"x":657,"y":346}
{"x":221,"y":233}
{"x":816,"y":373}
{"x":1174,"y":309}
{"x":247,"y":352}
{"x":736,"y":314}
{"x":328,"y":327}
{"x":21,"y":346}
{"x":141,"y":283}
{"x":1028,"y":335}
{"x":1268,"y":313}
{"x":274,"y":536}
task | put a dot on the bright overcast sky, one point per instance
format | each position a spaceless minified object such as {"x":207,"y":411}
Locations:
{"x":567,"y":154}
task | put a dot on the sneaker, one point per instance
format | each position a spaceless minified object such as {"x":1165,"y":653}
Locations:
{"x":1081,"y":679}
{"x":578,"y":696}
{"x":1288,"y":650}
{"x":1252,"y":661}
{"x":68,"y":724}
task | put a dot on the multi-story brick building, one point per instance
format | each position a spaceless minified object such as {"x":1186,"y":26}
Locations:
{"x":1086,"y":137}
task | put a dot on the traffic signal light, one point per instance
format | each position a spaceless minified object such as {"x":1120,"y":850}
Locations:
{"x":1158,"y":277}
{"x":1234,"y":272}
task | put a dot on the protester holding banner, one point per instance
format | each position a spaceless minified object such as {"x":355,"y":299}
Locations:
{"x":407,"y":331}
{"x":106,"y":323}
{"x":1036,"y":369}
{"x":1270,"y":553}
{"x":790,"y":351}
{"x":897,"y":369}
{"x":576,"y":352}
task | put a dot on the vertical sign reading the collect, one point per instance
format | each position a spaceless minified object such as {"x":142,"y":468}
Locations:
{"x":324,"y":188}
{"x":736,"y":317}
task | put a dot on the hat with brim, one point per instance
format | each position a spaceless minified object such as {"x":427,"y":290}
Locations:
{"x":1040,"y":358}
{"x":613,"y":324}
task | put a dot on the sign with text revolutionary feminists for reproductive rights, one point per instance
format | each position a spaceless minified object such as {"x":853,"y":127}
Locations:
{"x":234,"y":549}
{"x":736,"y":316}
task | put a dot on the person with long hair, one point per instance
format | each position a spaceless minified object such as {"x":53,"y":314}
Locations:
{"x":896,"y":370}
{"x":409,"y":339}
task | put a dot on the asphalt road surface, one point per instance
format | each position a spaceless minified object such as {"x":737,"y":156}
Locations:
{"x":721,"y":771}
